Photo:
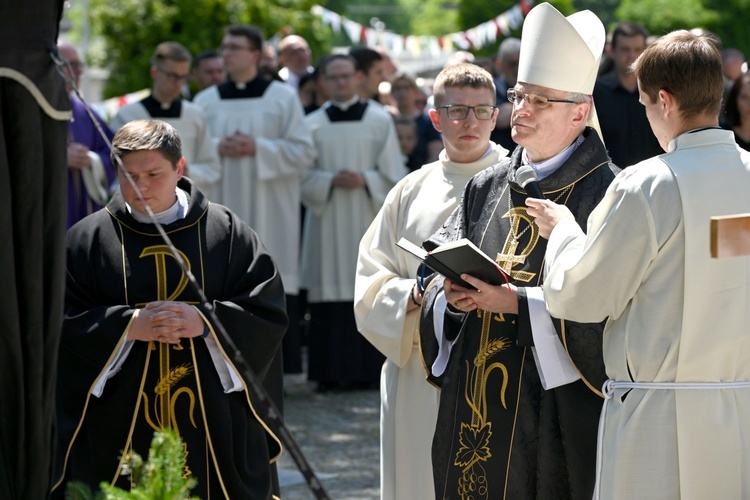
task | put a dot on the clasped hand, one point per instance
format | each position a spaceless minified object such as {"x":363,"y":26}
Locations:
{"x":237,"y":145}
{"x":167,"y":322}
{"x":348,"y":180}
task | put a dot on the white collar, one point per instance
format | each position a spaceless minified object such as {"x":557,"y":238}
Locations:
{"x":343,"y":106}
{"x":174,"y":213}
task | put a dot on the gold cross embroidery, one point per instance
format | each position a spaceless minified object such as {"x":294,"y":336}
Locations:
{"x":507,"y":259}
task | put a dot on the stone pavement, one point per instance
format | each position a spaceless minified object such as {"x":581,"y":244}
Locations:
{"x":338,"y":432}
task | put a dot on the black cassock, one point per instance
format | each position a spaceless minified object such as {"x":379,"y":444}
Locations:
{"x":499,"y":434}
{"x":34,"y":110}
{"x":116,"y":265}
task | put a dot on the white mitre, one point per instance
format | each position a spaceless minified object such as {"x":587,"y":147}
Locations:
{"x":562,"y":53}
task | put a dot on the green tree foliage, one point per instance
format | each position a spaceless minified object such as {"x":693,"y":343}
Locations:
{"x":663,"y":16}
{"x":731,"y":25}
{"x":395,"y":15}
{"x":604,"y":9}
{"x":131,"y":29}
{"x":403,"y":17}
{"x":433,"y":17}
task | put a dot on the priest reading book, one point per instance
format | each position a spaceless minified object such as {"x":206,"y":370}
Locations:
{"x":456,"y":258}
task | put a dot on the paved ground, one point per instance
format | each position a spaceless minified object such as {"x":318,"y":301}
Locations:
{"x":338,"y":433}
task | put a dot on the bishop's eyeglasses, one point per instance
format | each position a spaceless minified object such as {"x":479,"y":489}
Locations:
{"x":460,"y":112}
{"x":535,"y":100}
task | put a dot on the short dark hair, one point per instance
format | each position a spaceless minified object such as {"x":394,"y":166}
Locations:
{"x":732,"y":112}
{"x":686,"y":65}
{"x":147,"y":135}
{"x":366,"y":57}
{"x":202,"y":56}
{"x":322,"y":66}
{"x":627,"y":29}
{"x":252,"y":33}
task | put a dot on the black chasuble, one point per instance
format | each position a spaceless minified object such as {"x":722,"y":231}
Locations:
{"x":499,"y":434}
{"x":117,"y":265}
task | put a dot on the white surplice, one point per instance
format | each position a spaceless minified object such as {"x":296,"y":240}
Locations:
{"x":337,"y":218}
{"x":264,"y":190}
{"x":675,"y":316}
{"x":414,"y":209}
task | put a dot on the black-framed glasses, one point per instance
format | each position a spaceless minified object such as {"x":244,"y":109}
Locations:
{"x":175,"y":77}
{"x":535,"y":100}
{"x":342,"y":76}
{"x":460,"y":112}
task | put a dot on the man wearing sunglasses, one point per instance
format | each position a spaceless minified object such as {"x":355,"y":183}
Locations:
{"x":170,"y":68}
{"x":520,"y":396}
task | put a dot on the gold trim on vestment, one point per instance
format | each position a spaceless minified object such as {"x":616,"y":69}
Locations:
{"x":247,"y":392}
{"x":129,"y":440}
{"x":203,"y":412}
{"x":171,"y":231}
{"x":111,"y":359}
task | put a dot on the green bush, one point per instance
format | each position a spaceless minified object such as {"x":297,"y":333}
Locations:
{"x":161,"y":477}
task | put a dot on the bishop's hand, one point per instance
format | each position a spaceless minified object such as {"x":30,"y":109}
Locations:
{"x":547,"y":214}
{"x":498,"y":299}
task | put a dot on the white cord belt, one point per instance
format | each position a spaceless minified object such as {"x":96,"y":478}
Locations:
{"x":608,"y":389}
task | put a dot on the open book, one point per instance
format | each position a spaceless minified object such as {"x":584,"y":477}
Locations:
{"x":456,"y":258}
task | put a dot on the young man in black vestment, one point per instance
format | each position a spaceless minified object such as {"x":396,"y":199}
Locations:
{"x":520,"y":391}
{"x":140,"y":352}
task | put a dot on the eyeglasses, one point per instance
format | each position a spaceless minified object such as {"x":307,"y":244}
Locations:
{"x":343,"y":76}
{"x":535,"y":100}
{"x":177,"y":78}
{"x":460,"y":112}
{"x":231,"y":47}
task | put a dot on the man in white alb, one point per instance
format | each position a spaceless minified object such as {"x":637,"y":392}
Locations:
{"x":387,"y":301}
{"x":359,"y":161}
{"x":676,"y":345}
{"x":265,"y":147}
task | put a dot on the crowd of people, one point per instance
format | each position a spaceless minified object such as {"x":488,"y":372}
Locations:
{"x":285,"y":183}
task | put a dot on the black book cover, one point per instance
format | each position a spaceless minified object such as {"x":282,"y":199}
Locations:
{"x":457,"y":258}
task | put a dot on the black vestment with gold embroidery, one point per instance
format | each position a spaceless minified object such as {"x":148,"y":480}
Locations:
{"x":116,"y":265}
{"x":499,"y":434}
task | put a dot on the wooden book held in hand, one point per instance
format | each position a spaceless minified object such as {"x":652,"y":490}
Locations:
{"x":457,"y":258}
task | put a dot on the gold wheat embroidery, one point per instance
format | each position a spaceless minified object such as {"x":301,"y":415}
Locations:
{"x":493,"y":347}
{"x":172,"y":378}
